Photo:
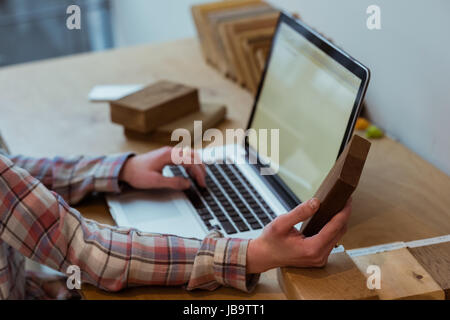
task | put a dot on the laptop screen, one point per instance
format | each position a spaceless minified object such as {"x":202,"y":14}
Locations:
{"x":309,"y":97}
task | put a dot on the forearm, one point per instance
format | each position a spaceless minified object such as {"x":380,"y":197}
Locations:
{"x":40,"y":168}
{"x":40,"y":225}
{"x":74,"y":178}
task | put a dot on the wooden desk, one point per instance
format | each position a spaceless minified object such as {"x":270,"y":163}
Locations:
{"x":45,"y":112}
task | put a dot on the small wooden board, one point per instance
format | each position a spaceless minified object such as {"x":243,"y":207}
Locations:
{"x":210,"y":114}
{"x":153,"y":106}
{"x":235,"y":14}
{"x":200,"y":12}
{"x":251,"y":46}
{"x":436,"y":261}
{"x":402,"y":276}
{"x":340,"y":279}
{"x":338,"y":185}
{"x":229,"y":30}
{"x":245,"y":74}
{"x":261,"y":57}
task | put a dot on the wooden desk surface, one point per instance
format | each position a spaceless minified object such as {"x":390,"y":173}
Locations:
{"x":45,"y":112}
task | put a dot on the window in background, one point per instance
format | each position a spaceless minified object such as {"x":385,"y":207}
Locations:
{"x":32,"y":30}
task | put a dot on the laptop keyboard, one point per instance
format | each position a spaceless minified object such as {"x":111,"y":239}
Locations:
{"x":228,"y":197}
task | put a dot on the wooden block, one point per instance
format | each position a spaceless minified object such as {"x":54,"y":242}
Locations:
{"x":435,"y":259}
{"x":234,"y":14}
{"x":153,"y":106}
{"x":251,"y":46}
{"x":229,"y":31}
{"x":199,"y":14}
{"x":210,"y":114}
{"x":339,"y":279}
{"x":338,"y":185}
{"x":262,"y":56}
{"x":241,"y":55}
{"x":402,"y":276}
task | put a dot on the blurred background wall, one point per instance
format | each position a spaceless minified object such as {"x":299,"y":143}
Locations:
{"x":36,"y":29}
{"x":409,"y":95}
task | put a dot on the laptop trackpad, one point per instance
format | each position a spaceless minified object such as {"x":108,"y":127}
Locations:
{"x":141,"y":206}
{"x":156,"y":211}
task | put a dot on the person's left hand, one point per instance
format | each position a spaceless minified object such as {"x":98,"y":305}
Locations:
{"x":145,"y":171}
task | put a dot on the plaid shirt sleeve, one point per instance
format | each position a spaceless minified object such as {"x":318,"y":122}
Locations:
{"x":40,"y":224}
{"x":74,"y":178}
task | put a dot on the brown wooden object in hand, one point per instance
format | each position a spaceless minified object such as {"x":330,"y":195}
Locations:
{"x":338,"y":185}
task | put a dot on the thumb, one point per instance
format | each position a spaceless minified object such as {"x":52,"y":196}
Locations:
{"x":300,"y":213}
{"x":177,"y":183}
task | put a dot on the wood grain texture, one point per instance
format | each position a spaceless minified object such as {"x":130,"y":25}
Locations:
{"x":215,"y":19}
{"x":155,"y":105}
{"x":251,"y":46}
{"x":228,"y":32}
{"x":402,"y":276}
{"x":257,"y":65}
{"x":339,"y":279}
{"x":210,"y":115}
{"x":262,"y":55}
{"x":204,"y":29}
{"x":338,"y":185}
{"x":245,"y":73}
{"x":436,"y":260}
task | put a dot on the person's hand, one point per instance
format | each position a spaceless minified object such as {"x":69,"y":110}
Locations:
{"x":282,"y":245}
{"x":145,"y":171}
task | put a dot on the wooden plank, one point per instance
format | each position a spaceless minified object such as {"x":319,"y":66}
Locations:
{"x":235,"y":14}
{"x":199,"y":14}
{"x":210,"y":115}
{"x":338,"y":185}
{"x":339,"y":279}
{"x":155,"y":105}
{"x":251,"y":46}
{"x":228,"y":32}
{"x":262,"y":55}
{"x":402,"y":276}
{"x":436,"y":260}
{"x":245,"y":71}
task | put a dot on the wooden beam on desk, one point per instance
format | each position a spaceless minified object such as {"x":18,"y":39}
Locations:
{"x":435,"y":259}
{"x":340,"y":279}
{"x":402,"y":277}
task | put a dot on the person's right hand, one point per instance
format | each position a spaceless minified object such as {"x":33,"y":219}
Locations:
{"x":281,"y":244}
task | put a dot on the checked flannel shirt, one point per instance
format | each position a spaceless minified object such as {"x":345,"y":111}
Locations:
{"x":39,"y":224}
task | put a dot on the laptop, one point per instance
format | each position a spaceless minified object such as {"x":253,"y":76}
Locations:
{"x":310,"y":95}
